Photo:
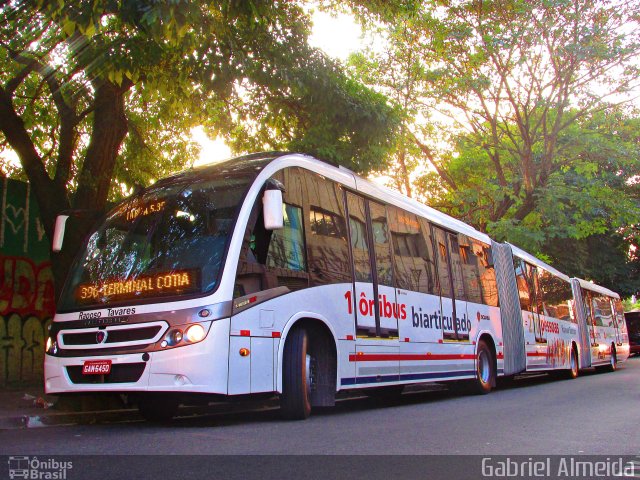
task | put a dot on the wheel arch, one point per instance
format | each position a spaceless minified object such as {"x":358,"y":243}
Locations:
{"x":576,"y":346}
{"x":301,"y":319}
{"x":487,"y":337}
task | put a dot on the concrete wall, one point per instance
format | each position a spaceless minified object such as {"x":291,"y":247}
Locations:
{"x":26,"y":287}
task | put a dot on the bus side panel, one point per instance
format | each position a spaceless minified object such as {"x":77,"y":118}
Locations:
{"x":420,"y":318}
{"x":328,"y":302}
{"x":262,"y":378}
{"x":487,"y":319}
{"x":239,"y":366}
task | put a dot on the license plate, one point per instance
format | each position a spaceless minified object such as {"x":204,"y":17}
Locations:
{"x":96,"y":367}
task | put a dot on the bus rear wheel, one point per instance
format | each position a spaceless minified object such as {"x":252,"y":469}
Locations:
{"x":613,"y":362}
{"x":573,"y":365}
{"x":297,"y":376}
{"x":485,"y":370}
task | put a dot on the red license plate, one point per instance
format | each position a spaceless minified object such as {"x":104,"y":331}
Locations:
{"x":96,"y":367}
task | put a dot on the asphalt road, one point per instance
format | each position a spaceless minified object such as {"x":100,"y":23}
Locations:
{"x":596,"y":414}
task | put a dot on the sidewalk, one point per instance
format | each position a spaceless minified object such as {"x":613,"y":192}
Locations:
{"x":29,"y":407}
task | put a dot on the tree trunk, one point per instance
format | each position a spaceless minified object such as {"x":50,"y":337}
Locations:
{"x":109,"y":130}
{"x":404,"y":173}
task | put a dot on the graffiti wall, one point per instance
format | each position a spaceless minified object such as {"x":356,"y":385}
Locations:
{"x":26,"y":286}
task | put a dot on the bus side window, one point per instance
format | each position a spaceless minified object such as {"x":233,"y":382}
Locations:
{"x":486,"y":274}
{"x":381,"y":243}
{"x":523,"y":284}
{"x":413,"y":257}
{"x":327,"y":239}
{"x":470,"y":257}
{"x":272,"y":258}
{"x":359,"y":239}
{"x":286,"y":248}
{"x":440,"y":245}
{"x":456,"y":267}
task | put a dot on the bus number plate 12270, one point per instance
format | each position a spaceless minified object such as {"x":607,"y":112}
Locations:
{"x":96,"y":367}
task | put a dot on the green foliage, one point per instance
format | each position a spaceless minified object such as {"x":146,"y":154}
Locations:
{"x":243,"y":69}
{"x":97,"y":96}
{"x":601,"y":258}
{"x":588,"y":192}
{"x":628,"y":305}
{"x":513,"y":109}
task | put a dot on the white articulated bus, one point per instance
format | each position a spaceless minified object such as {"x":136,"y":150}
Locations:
{"x":605,"y":340}
{"x":281,"y":274}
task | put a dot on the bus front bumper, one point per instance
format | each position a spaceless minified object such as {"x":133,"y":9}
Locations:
{"x":199,"y":368}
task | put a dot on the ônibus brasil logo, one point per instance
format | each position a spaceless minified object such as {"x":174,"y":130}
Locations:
{"x":38,"y":469}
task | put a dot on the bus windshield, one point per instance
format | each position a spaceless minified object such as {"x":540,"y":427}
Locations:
{"x":168,"y":241}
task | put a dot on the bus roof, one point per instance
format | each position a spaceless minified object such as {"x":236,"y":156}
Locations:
{"x":597,"y":288}
{"x":518,"y":252}
{"x":399,"y":200}
{"x":384,"y":194}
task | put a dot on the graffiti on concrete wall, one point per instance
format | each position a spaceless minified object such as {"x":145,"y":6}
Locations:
{"x":27,"y":298}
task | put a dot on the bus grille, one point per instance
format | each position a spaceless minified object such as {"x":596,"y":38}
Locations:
{"x":120,"y":373}
{"x":115,"y":336}
{"x":120,"y":336}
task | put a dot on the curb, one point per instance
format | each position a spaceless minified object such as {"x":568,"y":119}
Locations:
{"x":68,"y":418}
{"x":124,"y":415}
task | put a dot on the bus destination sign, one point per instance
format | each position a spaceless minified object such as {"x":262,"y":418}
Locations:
{"x":165,"y":283}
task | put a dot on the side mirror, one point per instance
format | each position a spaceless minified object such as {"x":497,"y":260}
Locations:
{"x":58,"y":232}
{"x":272,"y":207}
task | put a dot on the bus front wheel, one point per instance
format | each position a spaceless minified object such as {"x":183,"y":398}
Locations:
{"x":297,"y":376}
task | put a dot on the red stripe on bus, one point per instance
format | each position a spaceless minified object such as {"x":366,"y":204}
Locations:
{"x":536,"y":354}
{"x":377,"y":357}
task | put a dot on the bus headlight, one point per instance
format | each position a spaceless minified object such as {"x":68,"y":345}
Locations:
{"x":174,"y":337}
{"x":51,"y":346}
{"x":195,"y":333}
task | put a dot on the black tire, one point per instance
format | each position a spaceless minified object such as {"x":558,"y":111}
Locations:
{"x":295,"y":401}
{"x":158,"y":408}
{"x":574,"y":368}
{"x":485,"y":370}
{"x":613,"y":362}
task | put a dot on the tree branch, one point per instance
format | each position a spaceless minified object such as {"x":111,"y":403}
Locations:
{"x":429,"y":154}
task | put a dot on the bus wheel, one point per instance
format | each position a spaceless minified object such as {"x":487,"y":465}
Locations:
{"x":573,"y":365}
{"x":158,"y":408}
{"x":485,"y":371}
{"x":613,"y":363}
{"x":297,"y":376}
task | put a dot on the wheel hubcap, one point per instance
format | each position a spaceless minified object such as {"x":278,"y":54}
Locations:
{"x":309,"y":373}
{"x":484,"y":369}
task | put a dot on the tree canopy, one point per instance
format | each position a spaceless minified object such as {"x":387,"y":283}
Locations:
{"x":518,"y":109}
{"x":98,"y":96}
